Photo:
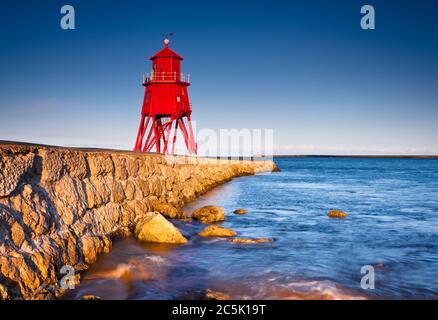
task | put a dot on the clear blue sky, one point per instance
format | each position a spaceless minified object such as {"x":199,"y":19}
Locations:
{"x":304,"y":68}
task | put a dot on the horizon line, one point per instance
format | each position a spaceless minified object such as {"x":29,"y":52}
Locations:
{"x":422,"y":156}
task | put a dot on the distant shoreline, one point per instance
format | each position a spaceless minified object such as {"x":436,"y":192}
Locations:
{"x":91,"y":149}
{"x":360,"y":156}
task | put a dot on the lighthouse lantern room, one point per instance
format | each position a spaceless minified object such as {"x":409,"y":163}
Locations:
{"x":166,"y":105}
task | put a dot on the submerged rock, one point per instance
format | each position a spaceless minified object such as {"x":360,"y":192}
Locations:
{"x":337,"y":214}
{"x":240,"y":211}
{"x":251,"y":240}
{"x":215,"y":295}
{"x":216,"y":231}
{"x":153,"y":227}
{"x":209,"y":214}
{"x":90,"y":297}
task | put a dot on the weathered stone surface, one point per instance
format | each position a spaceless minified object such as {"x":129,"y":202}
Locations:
{"x":12,"y":168}
{"x":92,"y":246}
{"x":144,"y":187}
{"x":167,"y":210}
{"x":240,"y":211}
{"x":62,"y":206}
{"x":117,"y":193}
{"x":251,"y":240}
{"x":337,"y":214}
{"x":76,"y":164}
{"x":153,"y":227}
{"x":121,"y":171}
{"x":53,"y":165}
{"x":209,"y":214}
{"x":132,"y":165}
{"x":3,"y":292}
{"x":216,"y":231}
{"x":98,"y":192}
{"x":17,"y":234}
{"x":100,"y":164}
{"x":130,"y":190}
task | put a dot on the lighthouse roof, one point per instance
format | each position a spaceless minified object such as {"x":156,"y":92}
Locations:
{"x":166,"y":53}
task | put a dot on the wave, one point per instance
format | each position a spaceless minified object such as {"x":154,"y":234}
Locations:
{"x":278,"y":288}
{"x":134,"y":270}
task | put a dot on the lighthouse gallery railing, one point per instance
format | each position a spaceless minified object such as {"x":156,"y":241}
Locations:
{"x":166,"y":76}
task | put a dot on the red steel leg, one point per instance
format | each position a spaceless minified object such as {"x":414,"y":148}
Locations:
{"x":137,"y":146}
{"x":185,"y":134}
{"x":174,"y":137}
{"x":143,"y":132}
{"x":163,"y":131}
{"x":157,"y":136}
{"x":191,"y":135}
{"x":149,"y":139}
{"x":167,"y":129}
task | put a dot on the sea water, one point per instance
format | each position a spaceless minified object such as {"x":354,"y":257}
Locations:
{"x":392,"y":226}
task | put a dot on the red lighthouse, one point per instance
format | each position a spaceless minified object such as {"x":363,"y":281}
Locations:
{"x":166,"y":105}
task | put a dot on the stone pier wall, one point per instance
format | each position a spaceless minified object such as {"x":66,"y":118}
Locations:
{"x":63,"y":206}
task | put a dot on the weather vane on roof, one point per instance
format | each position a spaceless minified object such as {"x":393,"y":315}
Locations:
{"x":166,"y":37}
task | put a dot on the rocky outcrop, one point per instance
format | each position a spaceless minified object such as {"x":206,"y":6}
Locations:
{"x":153,"y":227}
{"x":209,"y":214}
{"x":61,"y":207}
{"x":216,"y":231}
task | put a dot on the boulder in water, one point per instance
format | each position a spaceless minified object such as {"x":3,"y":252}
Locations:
{"x":240,"y":211}
{"x":209,"y":214}
{"x":153,"y":227}
{"x":337,"y":214}
{"x":216,"y":231}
